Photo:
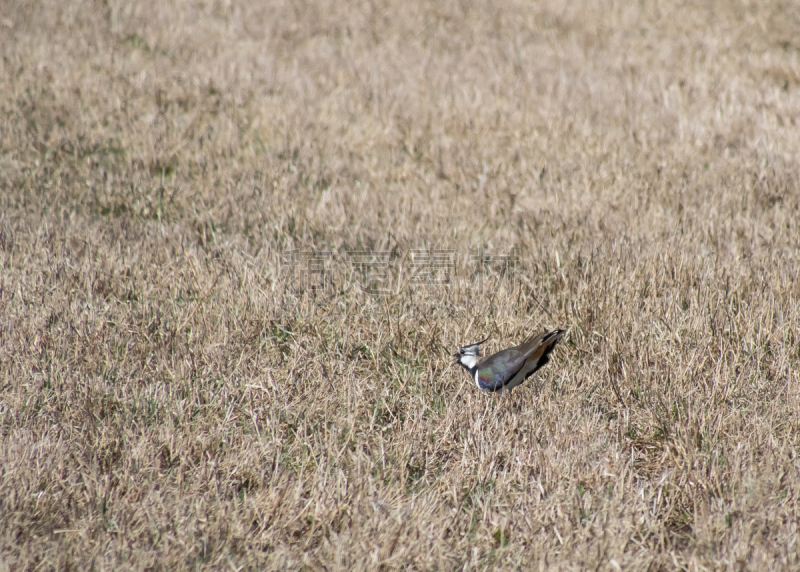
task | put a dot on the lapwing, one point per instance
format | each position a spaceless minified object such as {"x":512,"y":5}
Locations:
{"x":508,"y":368}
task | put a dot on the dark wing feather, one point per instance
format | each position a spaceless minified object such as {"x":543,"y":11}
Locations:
{"x":496,"y":371}
{"x":543,"y":347}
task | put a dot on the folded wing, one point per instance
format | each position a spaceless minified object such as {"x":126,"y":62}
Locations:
{"x":497,"y":371}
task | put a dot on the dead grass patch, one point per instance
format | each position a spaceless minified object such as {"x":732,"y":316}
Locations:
{"x":203,"y":364}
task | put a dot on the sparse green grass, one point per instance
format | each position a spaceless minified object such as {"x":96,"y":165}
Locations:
{"x":174,"y":396}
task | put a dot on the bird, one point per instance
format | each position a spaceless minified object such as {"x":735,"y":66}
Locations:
{"x":508,"y":368}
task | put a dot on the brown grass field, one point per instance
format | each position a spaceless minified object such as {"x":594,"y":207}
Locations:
{"x":239,"y":242}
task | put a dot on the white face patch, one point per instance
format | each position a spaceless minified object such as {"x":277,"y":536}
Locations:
{"x":468,"y":360}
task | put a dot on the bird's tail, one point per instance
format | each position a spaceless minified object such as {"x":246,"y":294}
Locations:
{"x":542,"y":352}
{"x":549,"y":339}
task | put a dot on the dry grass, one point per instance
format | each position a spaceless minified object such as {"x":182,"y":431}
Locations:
{"x":173,"y":395}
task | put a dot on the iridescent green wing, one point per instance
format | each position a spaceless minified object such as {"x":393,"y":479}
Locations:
{"x":497,"y":370}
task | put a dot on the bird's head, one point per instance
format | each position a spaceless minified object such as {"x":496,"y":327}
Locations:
{"x":467,"y":356}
